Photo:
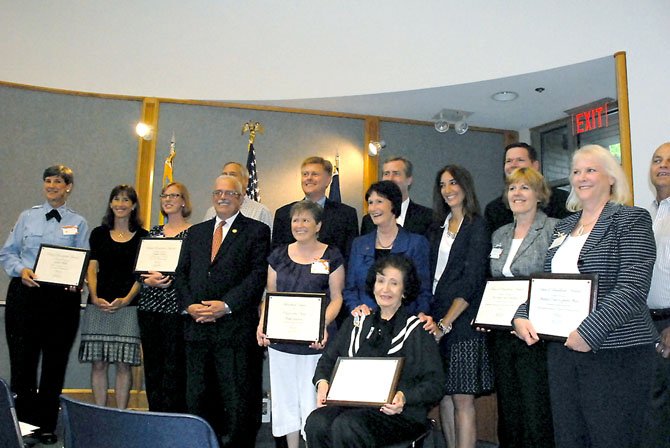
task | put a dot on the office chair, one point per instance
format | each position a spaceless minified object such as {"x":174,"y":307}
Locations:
{"x":10,"y":434}
{"x":90,"y":426}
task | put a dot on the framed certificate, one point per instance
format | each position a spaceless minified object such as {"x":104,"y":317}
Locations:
{"x":558,"y":303}
{"x":59,"y":265}
{"x":380,"y":376}
{"x":294,"y":317}
{"x":501,"y":299}
{"x":158,"y":254}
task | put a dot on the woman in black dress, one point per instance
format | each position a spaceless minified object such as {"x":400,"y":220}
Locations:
{"x":110,"y":332}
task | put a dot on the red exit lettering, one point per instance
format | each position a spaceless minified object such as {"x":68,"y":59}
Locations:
{"x":591,"y":119}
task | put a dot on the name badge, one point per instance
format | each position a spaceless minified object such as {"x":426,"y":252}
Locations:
{"x":558,"y":241}
{"x":70,"y":230}
{"x":321,"y":267}
{"x":496,"y":252}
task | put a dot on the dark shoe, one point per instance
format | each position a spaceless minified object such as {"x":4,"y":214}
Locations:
{"x":48,"y":438}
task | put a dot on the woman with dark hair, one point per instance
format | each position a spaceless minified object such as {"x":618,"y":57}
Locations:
{"x":41,"y":319}
{"x":306,"y":265}
{"x":600,"y":378}
{"x":110,"y":333}
{"x":390,"y":331}
{"x":384,"y":201}
{"x":459,"y":263}
{"x":159,"y":315}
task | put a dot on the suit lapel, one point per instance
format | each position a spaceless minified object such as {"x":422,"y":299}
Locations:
{"x":599,"y":229}
{"x":233,"y":234}
{"x":533,"y":233}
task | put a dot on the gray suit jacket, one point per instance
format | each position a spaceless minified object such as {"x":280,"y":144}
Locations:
{"x":529,"y":259}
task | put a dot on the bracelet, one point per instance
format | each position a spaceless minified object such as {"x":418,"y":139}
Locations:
{"x":442,"y":328}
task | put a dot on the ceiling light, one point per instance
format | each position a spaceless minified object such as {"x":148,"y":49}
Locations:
{"x":461,"y":127}
{"x":445,"y":117}
{"x":441,"y":126}
{"x":505,"y":95}
{"x":374,"y":148}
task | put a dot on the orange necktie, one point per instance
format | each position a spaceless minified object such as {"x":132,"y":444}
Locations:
{"x":217,"y":239}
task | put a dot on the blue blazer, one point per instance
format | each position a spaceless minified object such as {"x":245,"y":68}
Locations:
{"x":413,"y":246}
{"x":622,"y":251}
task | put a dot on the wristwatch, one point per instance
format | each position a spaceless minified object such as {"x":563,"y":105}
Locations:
{"x":442,"y":328}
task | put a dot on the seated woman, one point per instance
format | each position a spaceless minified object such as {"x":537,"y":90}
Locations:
{"x":389,"y":331}
{"x":384,"y":202}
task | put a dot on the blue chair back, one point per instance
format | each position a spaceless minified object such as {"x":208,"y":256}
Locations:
{"x":90,"y":426}
{"x":10,"y":434}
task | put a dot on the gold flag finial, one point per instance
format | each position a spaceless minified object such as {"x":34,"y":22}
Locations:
{"x":252,"y":127}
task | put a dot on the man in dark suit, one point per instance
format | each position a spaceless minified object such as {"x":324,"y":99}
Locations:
{"x":220,"y":279}
{"x":521,"y":155}
{"x":340,"y":223}
{"x":413,"y":217}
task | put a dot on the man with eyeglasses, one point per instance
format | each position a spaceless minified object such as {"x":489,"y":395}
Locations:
{"x":220,"y":279}
{"x":249,"y":208}
{"x":340,"y":222}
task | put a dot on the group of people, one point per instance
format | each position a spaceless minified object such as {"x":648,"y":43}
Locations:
{"x":408,"y":286}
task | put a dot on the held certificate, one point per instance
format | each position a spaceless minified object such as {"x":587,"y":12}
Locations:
{"x":502,"y":297}
{"x":380,"y":376}
{"x":158,"y":254}
{"x":558,"y":303}
{"x":59,"y":265}
{"x":294,"y":317}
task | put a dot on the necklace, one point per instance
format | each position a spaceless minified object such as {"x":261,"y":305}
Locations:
{"x":385,"y":246}
{"x":580,"y":229}
{"x":451,"y":234}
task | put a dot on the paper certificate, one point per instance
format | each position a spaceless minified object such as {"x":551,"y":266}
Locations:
{"x":500,"y":301}
{"x":60,"y":265}
{"x":559,"y":303}
{"x":158,"y":254}
{"x":379,"y":375}
{"x":294,"y":317}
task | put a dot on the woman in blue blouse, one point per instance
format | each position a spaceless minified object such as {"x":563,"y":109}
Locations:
{"x":41,"y":320}
{"x":384,"y":201}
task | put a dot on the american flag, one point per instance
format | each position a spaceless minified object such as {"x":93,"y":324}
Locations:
{"x":253,"y":190}
{"x":334,"y":193}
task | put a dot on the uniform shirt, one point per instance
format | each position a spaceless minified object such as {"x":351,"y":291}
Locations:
{"x":659,"y":293}
{"x":32,"y":229}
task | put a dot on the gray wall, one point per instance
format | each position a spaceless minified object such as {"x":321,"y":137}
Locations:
{"x":207,"y":137}
{"x":95,"y":137}
{"x":481,"y":153}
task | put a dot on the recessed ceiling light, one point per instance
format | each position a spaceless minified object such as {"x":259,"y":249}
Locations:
{"x":505,"y":95}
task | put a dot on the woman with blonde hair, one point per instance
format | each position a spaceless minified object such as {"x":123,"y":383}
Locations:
{"x":600,"y":378}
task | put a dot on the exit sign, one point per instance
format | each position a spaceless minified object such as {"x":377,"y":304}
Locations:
{"x":590,"y":119}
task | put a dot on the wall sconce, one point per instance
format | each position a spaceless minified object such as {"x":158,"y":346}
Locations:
{"x":457,"y":117}
{"x":374,"y":148}
{"x":144,"y":131}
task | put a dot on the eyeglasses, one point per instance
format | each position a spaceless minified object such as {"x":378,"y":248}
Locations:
{"x":170,"y":195}
{"x":226,"y":193}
